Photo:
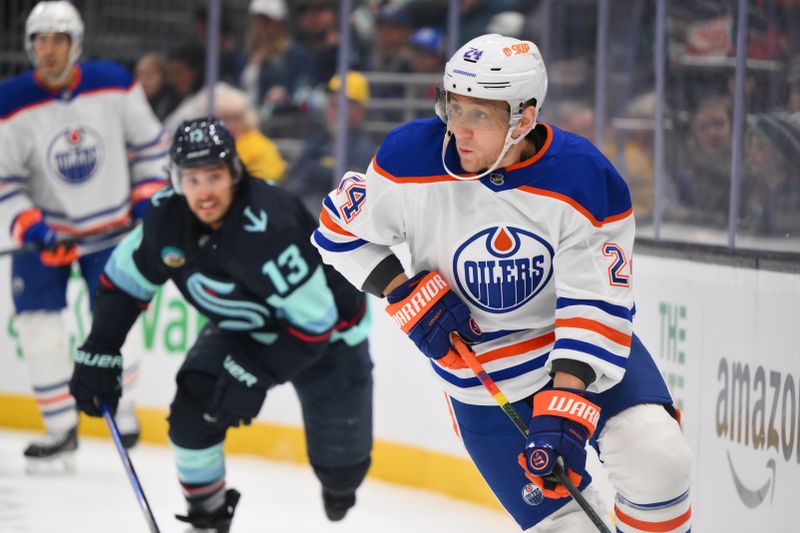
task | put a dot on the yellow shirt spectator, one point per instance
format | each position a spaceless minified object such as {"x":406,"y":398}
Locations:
{"x":260,"y":156}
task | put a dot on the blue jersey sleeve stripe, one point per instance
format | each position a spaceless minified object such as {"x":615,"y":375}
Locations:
{"x":49,"y":388}
{"x":148,"y":144}
{"x":328,"y":203}
{"x":611,"y":309}
{"x":591,"y":349}
{"x":148,"y":157}
{"x":12,"y":179}
{"x":4,"y":197}
{"x":331,"y":246}
{"x":150,"y":179}
{"x":90,"y":216}
{"x":499,"y":375}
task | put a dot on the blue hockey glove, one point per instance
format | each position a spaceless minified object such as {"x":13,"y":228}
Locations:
{"x":97,"y":377}
{"x":29,"y":227}
{"x":428,"y":312}
{"x":239,"y":393}
{"x":563,"y":420}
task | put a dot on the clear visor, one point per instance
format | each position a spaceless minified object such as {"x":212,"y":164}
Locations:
{"x":472,"y":113}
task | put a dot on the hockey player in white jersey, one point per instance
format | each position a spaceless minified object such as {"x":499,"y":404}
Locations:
{"x":521,"y":238}
{"x":80,"y":154}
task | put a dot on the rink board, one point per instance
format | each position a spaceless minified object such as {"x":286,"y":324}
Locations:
{"x":726,"y":338}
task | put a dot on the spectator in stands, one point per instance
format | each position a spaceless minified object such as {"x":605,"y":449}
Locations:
{"x":230,"y":61}
{"x":185,"y":72}
{"x":427,"y":50}
{"x":258,"y":154}
{"x":393,"y":27}
{"x":427,"y":57}
{"x":772,"y":189}
{"x":313,"y":174}
{"x":318,"y":30}
{"x":703,"y":182}
{"x":276,"y":66}
{"x":151,"y":72}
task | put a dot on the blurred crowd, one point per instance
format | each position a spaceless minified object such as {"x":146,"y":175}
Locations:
{"x":698,"y":107}
{"x":278,"y":60}
{"x":277,"y":81}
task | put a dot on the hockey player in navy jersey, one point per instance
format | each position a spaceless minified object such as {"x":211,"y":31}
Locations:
{"x":237,"y":248}
{"x":80,"y":153}
{"x":521,"y":238}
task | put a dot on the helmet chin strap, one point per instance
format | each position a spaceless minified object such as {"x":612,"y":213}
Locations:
{"x":73,"y":58}
{"x":509,"y":142}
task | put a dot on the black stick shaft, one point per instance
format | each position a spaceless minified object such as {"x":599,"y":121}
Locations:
{"x":126,"y":462}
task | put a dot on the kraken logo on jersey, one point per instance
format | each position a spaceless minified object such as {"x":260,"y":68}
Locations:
{"x":241,"y":315}
{"x":500,"y":268}
{"x":75,"y":154}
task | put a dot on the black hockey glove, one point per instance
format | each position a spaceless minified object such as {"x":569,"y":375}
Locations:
{"x":239,"y":393}
{"x":97,"y":377}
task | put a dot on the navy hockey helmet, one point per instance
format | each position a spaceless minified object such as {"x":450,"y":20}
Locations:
{"x":202,"y":142}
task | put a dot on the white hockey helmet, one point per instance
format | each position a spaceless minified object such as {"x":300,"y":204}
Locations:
{"x":58,"y":16}
{"x":495,"y":67}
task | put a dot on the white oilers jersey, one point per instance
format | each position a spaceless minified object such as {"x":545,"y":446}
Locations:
{"x":539,"y":251}
{"x":83,"y":155}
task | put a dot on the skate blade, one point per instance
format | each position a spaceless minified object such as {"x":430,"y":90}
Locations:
{"x":61,"y":464}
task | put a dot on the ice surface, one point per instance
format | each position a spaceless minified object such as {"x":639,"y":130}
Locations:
{"x":276,"y":497}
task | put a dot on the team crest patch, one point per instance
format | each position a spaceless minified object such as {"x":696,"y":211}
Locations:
{"x":173,"y":257}
{"x":532,"y":495}
{"x":502,"y":267}
{"x":75,"y":154}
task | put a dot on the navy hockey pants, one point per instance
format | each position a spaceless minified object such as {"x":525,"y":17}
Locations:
{"x":493,"y":441}
{"x":335,"y":395}
{"x":37,"y":287}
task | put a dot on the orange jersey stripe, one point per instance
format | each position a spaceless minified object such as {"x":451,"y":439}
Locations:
{"x":53,"y":399}
{"x":538,"y":155}
{"x":452,"y":415}
{"x":578,"y":207}
{"x":416,"y":179}
{"x":517,"y":348}
{"x":653,"y":527}
{"x":121,"y":221}
{"x":325,"y":219}
{"x":598,"y":327}
{"x":143,"y":191}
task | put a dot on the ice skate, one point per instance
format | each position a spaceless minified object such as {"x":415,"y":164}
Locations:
{"x":52,"y":453}
{"x":217,"y":522}
{"x":337,"y":505}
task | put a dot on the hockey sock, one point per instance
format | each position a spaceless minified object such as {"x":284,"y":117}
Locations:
{"x":202,"y":477}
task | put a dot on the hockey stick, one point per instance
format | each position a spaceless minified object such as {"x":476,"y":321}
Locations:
{"x":126,"y":462}
{"x":486,"y":380}
{"x":68,"y":241}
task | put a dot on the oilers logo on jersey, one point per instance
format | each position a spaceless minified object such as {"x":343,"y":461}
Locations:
{"x":501,"y":268}
{"x":75,"y":154}
{"x":532,"y":495}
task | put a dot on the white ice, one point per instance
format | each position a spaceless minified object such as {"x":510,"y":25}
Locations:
{"x":276,"y":497}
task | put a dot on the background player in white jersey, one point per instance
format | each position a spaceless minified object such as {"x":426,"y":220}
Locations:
{"x":80,"y":154}
{"x":521,"y":238}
